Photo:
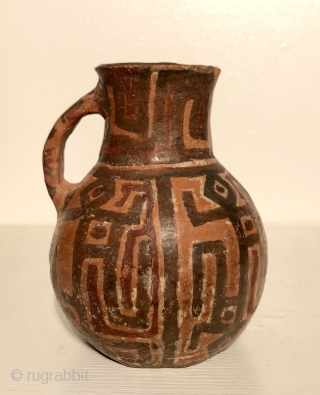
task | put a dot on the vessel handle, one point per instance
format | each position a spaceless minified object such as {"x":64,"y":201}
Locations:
{"x":53,"y":152}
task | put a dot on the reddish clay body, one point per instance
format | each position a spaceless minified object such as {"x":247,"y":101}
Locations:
{"x":159,"y":255}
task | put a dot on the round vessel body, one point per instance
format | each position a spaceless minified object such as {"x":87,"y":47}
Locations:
{"x":160,"y":265}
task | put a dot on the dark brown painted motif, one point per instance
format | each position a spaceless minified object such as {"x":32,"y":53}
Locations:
{"x":159,"y":255}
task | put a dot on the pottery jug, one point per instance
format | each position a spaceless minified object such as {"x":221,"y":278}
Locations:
{"x":159,"y":255}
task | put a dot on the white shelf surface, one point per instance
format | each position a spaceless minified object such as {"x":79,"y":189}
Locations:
{"x":278,"y":353}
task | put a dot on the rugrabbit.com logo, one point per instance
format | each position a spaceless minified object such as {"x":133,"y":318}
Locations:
{"x":45,"y":377}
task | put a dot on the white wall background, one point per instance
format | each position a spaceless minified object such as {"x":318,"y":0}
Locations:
{"x":266,"y":109}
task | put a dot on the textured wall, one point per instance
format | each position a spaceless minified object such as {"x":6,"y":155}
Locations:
{"x":265,"y":118}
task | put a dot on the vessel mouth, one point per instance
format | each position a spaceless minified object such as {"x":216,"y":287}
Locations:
{"x":163,"y":66}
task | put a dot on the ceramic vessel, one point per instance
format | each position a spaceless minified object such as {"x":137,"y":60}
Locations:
{"x":159,"y":254}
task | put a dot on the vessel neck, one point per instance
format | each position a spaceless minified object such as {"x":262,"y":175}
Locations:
{"x":157,"y":113}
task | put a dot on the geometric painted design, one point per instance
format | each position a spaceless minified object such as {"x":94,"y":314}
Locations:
{"x":228,"y":315}
{"x":98,"y":232}
{"x":248,"y":225}
{"x":205,"y":283}
{"x":220,"y":189}
{"x":159,"y":255}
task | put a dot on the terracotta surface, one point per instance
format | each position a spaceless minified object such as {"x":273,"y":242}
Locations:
{"x":159,"y":254}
